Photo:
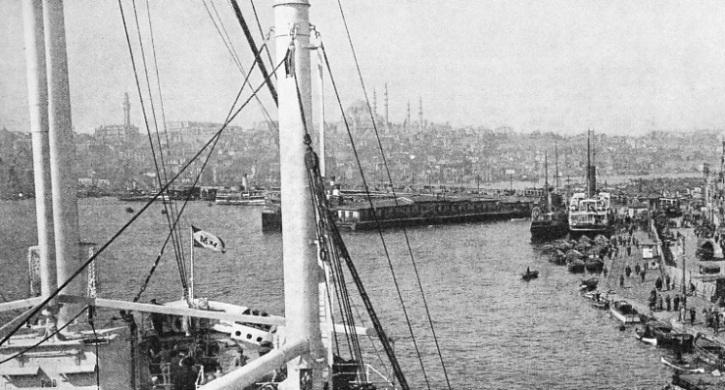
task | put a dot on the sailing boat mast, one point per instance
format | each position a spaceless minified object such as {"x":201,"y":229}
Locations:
{"x":62,"y":154}
{"x":556,"y":160}
{"x":546,"y":182}
{"x":301,"y":271}
{"x":589,"y":166}
{"x":38,"y":102}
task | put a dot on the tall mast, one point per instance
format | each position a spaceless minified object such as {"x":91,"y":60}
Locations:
{"x":387,"y":118}
{"x":38,"y":102}
{"x":62,"y":155}
{"x":546,"y":182}
{"x":320,"y":68}
{"x":589,"y":166}
{"x":556,"y":160}
{"x":301,"y":275}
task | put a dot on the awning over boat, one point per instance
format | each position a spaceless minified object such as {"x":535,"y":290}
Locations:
{"x":27,"y":370}
{"x":83,"y":368}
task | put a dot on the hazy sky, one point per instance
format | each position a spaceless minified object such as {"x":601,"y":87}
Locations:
{"x":620,"y":67}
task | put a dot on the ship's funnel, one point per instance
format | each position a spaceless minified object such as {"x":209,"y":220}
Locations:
{"x":592,"y":185}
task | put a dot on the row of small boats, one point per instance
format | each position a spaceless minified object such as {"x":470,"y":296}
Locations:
{"x":579,"y":255}
{"x":708,"y":354}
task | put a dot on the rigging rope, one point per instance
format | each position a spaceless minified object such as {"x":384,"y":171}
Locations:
{"x":180,"y":263}
{"x":91,"y":321}
{"x":168,"y":207}
{"x":143,"y":209}
{"x":322,"y":211}
{"x":395,"y":198}
{"x":255,"y":51}
{"x":172,"y":205}
{"x":313,"y":171}
{"x":261,"y":33}
{"x":235,"y":58}
{"x":375,"y":216}
{"x":188,"y":196}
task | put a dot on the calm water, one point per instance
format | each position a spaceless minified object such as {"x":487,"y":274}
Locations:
{"x":495,"y":331}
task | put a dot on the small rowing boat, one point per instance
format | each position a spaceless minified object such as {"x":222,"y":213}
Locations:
{"x":528,"y":275}
{"x":623,"y":311}
{"x":710,"y":351}
{"x":682,"y":366}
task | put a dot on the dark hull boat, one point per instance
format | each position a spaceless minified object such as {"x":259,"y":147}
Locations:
{"x":662,"y":334}
{"x":529,"y":275}
{"x":548,"y":229}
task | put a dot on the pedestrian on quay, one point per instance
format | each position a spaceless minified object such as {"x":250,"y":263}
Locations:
{"x":642,"y":275}
{"x":628,"y":271}
{"x":645,"y":266}
{"x":707,"y":317}
{"x":716,"y":320}
{"x":658,"y":283}
{"x":621,"y":280}
{"x":637,"y":269}
{"x":659,"y":302}
{"x":667,"y":282}
{"x":605,"y":271}
{"x":676,"y":302}
{"x":629,"y":250}
{"x":667,"y":302}
{"x":693,"y":313}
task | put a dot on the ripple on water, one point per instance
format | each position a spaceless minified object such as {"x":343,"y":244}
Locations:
{"x":495,"y":331}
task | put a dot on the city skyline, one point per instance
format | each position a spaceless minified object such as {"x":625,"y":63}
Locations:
{"x":618,"y":68}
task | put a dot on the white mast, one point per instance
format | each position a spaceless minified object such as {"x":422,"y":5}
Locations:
{"x":38,"y":102}
{"x":62,"y":154}
{"x":301,"y":271}
{"x":321,"y":72}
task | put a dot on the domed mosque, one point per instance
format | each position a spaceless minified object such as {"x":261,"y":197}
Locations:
{"x":358,"y":117}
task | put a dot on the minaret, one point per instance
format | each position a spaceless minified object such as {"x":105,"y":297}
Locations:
{"x":387,"y":118}
{"x":375,"y":102}
{"x":420,"y":114}
{"x":407,"y":118}
{"x":126,"y":111}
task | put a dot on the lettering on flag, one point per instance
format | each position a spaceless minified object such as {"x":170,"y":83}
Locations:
{"x":204,"y":239}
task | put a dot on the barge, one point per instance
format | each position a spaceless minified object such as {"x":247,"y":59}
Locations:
{"x":428,"y":210}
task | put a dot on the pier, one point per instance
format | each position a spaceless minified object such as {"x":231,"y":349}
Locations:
{"x":636,"y":290}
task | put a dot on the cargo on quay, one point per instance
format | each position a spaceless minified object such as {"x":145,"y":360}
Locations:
{"x":428,"y":209}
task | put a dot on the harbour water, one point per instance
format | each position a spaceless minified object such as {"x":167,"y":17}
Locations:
{"x":495,"y":330}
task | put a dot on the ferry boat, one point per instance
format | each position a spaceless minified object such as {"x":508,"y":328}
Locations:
{"x":428,"y":210}
{"x":591,"y":213}
{"x":240,"y":198}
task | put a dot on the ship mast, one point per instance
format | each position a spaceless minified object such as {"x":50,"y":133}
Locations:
{"x":546,"y":182}
{"x":38,"y":102}
{"x":301,"y":271}
{"x":556,"y":160}
{"x":62,"y":155}
{"x":589,"y":166}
